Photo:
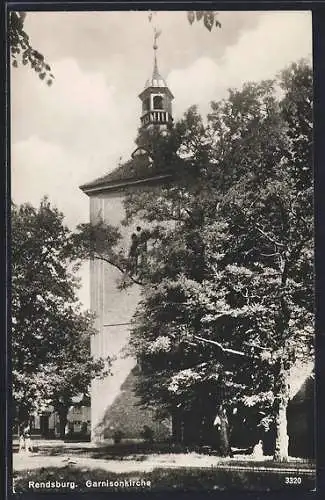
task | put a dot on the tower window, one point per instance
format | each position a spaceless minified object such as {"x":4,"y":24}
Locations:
{"x":158,"y":102}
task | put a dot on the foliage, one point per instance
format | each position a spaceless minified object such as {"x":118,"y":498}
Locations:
{"x":237,"y":266}
{"x":21,"y":49}
{"x":208,"y":17}
{"x":148,"y":434}
{"x":51,"y":359}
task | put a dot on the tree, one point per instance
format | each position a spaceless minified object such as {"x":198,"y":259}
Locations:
{"x":271,"y":221}
{"x":227,"y":302}
{"x":51,"y":359}
{"x":21,"y":49}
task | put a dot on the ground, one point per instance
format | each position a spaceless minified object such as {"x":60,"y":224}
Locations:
{"x":86,"y":467}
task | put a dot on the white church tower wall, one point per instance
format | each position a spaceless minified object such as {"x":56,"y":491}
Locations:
{"x":114,"y":309}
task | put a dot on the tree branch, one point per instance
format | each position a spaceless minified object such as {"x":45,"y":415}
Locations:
{"x":268,"y":237}
{"x":225,"y":349}
{"x":117,"y":266}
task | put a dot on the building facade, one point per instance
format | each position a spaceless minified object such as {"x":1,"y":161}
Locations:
{"x":46,"y":425}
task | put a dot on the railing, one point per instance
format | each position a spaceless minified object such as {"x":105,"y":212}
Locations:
{"x":155,"y":117}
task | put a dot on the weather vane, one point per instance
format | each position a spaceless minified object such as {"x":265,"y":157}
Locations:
{"x":156,"y":35}
{"x":157,"y":32}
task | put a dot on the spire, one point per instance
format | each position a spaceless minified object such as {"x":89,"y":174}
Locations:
{"x":155,"y":73}
{"x":156,"y":79}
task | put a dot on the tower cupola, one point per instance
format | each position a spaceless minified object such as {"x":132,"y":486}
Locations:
{"x":156,"y":97}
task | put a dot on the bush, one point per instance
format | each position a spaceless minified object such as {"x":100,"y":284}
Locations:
{"x":147,"y":433}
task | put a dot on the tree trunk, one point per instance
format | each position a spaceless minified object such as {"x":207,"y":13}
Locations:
{"x":24,"y":429}
{"x":63,"y":415}
{"x":23,"y":416}
{"x":223,"y":429}
{"x":23,"y":419}
{"x":281,"y":452}
{"x":176,"y":426}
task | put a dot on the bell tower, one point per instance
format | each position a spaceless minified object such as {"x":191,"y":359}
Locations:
{"x":156,"y":97}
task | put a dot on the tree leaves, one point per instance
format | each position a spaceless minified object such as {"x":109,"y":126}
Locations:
{"x":191,"y":16}
{"x":21,"y":49}
{"x":209,"y":18}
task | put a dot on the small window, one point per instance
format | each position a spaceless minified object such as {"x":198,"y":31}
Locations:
{"x":158,"y":102}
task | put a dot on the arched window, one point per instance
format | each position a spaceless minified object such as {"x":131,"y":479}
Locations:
{"x":158,"y":102}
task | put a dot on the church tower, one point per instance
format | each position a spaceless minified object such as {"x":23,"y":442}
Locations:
{"x":114,"y":402}
{"x":156,"y":98}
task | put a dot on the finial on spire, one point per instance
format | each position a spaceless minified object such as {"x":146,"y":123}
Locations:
{"x":157,"y":34}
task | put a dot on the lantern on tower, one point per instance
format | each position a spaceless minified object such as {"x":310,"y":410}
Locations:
{"x":156,"y":97}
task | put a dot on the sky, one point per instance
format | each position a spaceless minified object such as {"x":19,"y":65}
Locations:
{"x":85,"y":123}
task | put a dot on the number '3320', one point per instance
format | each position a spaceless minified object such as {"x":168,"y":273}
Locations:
{"x":293,"y":480}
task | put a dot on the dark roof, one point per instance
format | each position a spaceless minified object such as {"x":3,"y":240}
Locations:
{"x":136,"y":169}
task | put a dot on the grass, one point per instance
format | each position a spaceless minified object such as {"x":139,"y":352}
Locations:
{"x":161,"y":479}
